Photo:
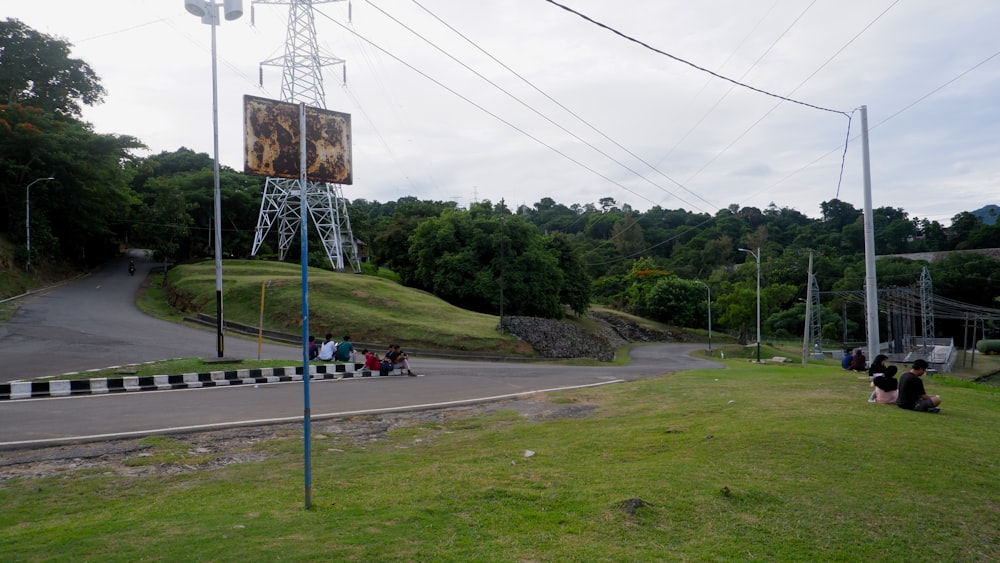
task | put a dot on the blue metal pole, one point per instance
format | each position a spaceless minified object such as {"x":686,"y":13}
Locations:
{"x":304,"y":259}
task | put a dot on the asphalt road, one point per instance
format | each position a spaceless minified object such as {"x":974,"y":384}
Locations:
{"x":93,"y":323}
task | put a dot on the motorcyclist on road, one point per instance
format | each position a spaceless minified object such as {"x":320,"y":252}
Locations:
{"x":131,"y":267}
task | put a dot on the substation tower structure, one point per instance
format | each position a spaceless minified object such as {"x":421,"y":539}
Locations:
{"x":302,"y":82}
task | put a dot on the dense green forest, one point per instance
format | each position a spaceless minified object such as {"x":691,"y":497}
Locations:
{"x":549,"y":259}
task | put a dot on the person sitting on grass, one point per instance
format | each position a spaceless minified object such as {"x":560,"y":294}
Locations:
{"x":876,"y":369}
{"x":912,"y":395}
{"x":399,"y":359}
{"x":886,"y":386}
{"x":845,"y":361}
{"x":859,"y":362}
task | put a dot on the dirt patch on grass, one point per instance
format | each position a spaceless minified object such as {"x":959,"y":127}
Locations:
{"x":220,"y":448}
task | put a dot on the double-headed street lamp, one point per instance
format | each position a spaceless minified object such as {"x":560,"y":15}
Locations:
{"x":756,"y":257}
{"x":208,"y":11}
{"x":27,"y":216}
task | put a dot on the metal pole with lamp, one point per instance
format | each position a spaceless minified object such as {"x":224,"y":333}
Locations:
{"x":208,"y":11}
{"x":709,"y":314}
{"x":757,"y":258}
{"x":27,"y":216}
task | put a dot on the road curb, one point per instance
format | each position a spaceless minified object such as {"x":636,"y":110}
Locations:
{"x":134,"y":383}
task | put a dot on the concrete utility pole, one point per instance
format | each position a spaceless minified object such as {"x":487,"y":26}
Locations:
{"x":807,"y":332}
{"x":871,"y":284}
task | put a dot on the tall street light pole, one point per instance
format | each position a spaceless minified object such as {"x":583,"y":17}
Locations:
{"x":756,"y":257}
{"x":27,"y":216}
{"x":709,"y":314}
{"x":208,"y":11}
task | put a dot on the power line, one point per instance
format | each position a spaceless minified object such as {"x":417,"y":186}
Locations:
{"x":486,"y":111}
{"x":745,"y":73}
{"x":529,"y":107}
{"x":572,"y":113}
{"x":689,"y":63}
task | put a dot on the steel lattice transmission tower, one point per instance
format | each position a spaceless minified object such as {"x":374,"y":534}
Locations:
{"x":926,"y":308}
{"x":815,"y":319}
{"x":302,"y":82}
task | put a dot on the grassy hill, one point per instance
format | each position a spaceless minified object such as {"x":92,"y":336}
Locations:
{"x":368,"y":308}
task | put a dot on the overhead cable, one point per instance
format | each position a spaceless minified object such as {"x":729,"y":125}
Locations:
{"x":486,"y":111}
{"x":692,"y":65}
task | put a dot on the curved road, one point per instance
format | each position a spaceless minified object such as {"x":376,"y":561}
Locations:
{"x":93,"y":323}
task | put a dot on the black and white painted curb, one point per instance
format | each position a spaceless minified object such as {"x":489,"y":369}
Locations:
{"x":130,"y":383}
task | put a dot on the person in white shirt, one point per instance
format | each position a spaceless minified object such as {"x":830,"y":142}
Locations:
{"x":328,"y":349}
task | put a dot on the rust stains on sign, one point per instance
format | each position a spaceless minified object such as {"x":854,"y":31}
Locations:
{"x":271,"y":131}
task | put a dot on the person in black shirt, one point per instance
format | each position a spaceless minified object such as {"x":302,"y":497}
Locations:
{"x":399,"y":359}
{"x":912,"y":395}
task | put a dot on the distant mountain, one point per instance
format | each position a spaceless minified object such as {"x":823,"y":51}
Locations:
{"x":988,"y":213}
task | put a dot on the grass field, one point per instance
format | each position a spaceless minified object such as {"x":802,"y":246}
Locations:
{"x":753,"y":462}
{"x":369,"y":308}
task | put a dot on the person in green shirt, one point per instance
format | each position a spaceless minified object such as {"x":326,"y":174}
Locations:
{"x":344,"y":350}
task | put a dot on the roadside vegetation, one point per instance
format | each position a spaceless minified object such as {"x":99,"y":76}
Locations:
{"x":751,"y":462}
{"x":370,"y":309}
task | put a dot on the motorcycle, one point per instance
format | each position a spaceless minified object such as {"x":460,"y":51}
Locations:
{"x":131,"y":268}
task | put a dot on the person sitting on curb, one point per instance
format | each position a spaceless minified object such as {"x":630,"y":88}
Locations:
{"x":313,"y":348}
{"x":371,"y":361}
{"x":886,"y":386}
{"x":912,"y":395}
{"x":344,"y":350}
{"x":399,"y":359}
{"x":328,"y":349}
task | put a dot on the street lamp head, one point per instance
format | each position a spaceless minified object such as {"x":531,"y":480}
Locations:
{"x":233,"y":9}
{"x":196,"y":7}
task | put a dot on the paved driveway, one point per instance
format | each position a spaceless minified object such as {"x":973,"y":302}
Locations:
{"x":93,"y":323}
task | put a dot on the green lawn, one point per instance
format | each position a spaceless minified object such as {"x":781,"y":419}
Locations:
{"x":754,"y":462}
{"x":369,"y":308}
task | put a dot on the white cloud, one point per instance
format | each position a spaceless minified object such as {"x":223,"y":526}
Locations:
{"x":413,"y":137}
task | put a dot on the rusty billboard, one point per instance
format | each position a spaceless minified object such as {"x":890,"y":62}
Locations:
{"x":271,"y":141}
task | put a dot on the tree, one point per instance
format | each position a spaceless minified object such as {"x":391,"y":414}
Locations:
{"x":458,"y":257}
{"x":627,"y":236}
{"x":677,"y":302}
{"x":838,"y":214}
{"x":962,"y":227}
{"x":576,"y":287}
{"x":738,"y":310}
{"x":167,"y":215}
{"x":79,"y":215}
{"x":36,"y":70}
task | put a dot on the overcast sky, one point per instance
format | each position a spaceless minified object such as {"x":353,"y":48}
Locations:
{"x":588,"y":112}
